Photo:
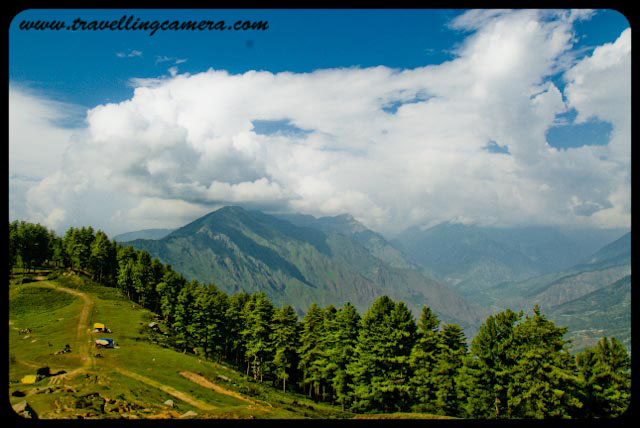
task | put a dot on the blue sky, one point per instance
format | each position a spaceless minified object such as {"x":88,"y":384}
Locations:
{"x":72,"y":74}
{"x":83,"y":68}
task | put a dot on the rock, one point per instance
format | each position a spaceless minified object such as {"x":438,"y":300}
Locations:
{"x":169,"y":403}
{"x":189,"y":414}
{"x":24,"y":409}
{"x":223,"y":377}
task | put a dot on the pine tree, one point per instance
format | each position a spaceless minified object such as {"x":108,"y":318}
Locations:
{"x":452,"y":349}
{"x":183,"y":326}
{"x":310,"y":351}
{"x":486,"y":372}
{"x":347,"y":323}
{"x":100,"y":256}
{"x":605,"y":377}
{"x":13,"y":246}
{"x":126,"y":267}
{"x":257,"y":332}
{"x":544,"y":379}
{"x":380,"y":368}
{"x":285,"y":340}
{"x":234,"y":344}
{"x":324,"y":364}
{"x":168,"y":290}
{"x":423,"y":360}
{"x":142,"y":279}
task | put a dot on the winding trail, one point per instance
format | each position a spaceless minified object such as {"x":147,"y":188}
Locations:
{"x":169,"y":390}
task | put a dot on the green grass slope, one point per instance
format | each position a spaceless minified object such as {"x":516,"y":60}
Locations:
{"x":131,"y":381}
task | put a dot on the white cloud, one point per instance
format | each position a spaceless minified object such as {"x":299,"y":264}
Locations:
{"x":600,"y":86}
{"x":131,"y":54}
{"x":184,"y":144}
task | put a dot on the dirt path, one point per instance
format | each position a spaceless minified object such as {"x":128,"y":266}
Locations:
{"x":203,"y":381}
{"x":169,"y":390}
{"x":82,"y":345}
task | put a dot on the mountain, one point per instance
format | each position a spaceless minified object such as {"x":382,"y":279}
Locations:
{"x":603,"y":312}
{"x":591,"y":298}
{"x":473,"y":258}
{"x":345,"y":224}
{"x":607,"y":265}
{"x":616,"y":253}
{"x":143,"y":234}
{"x":330,"y":263}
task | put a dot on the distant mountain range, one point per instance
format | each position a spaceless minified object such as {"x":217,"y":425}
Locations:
{"x":472,"y":258}
{"x":592,"y":298}
{"x":463,"y":272}
{"x":143,"y":234}
{"x":299,"y":260}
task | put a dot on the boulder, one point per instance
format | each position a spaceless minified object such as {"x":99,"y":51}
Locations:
{"x":43,"y":371}
{"x":25,"y":410}
{"x":169,"y":403}
{"x":189,"y":414}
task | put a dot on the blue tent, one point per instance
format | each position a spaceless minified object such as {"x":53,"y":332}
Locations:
{"x":106,"y":342}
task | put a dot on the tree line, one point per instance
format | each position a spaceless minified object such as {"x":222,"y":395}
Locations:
{"x":518,"y":365}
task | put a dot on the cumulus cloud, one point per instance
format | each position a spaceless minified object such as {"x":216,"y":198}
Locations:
{"x":185,"y":144}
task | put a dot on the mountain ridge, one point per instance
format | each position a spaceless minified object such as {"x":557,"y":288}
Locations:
{"x":242,"y":250}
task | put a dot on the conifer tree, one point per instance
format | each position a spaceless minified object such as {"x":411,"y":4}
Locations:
{"x":257,"y":332}
{"x":544,"y":379}
{"x":452,"y":349}
{"x":13,"y":245}
{"x":486,"y":372}
{"x":142,"y":279}
{"x":126,"y":266}
{"x":168,"y":290}
{"x":423,"y":360}
{"x":101,"y":256}
{"x":324,"y":364}
{"x":347,"y":323}
{"x":605,"y":378}
{"x":234,"y":344}
{"x":183,"y":326}
{"x":380,"y":369}
{"x":285,"y":340}
{"x":310,"y":349}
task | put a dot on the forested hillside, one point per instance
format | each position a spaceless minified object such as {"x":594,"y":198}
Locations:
{"x":327,"y":261}
{"x":518,"y":365}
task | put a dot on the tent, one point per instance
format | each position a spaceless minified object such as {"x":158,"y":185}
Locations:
{"x":29,"y":379}
{"x":98,"y":326}
{"x":106,"y":343}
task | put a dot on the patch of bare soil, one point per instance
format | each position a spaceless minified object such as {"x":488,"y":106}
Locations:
{"x":203,"y":381}
{"x":169,"y":390}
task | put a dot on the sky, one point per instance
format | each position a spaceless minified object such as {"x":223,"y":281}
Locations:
{"x":397,"y":117}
